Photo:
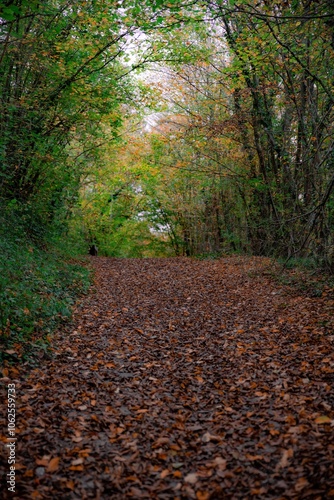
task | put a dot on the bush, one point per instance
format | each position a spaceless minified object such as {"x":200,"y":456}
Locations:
{"x":37,"y":289}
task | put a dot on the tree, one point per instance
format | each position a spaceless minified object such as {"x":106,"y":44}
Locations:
{"x":266,"y":84}
{"x":281,"y":70}
{"x":64,"y":85}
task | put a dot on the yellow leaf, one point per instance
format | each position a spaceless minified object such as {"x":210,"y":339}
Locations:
{"x":323,"y":420}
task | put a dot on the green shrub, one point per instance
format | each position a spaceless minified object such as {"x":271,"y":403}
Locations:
{"x":37,"y":289}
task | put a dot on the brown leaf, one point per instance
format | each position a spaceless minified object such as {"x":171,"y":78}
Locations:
{"x":76,"y":467}
{"x":70,"y":484}
{"x":220,"y":462}
{"x":284,"y":462}
{"x":77,"y":461}
{"x":41,"y":461}
{"x":53,"y":464}
{"x":207,"y":437}
{"x":254,"y":457}
{"x":202,"y":495}
{"x":191,"y":478}
{"x":301,"y":484}
{"x":77,"y":439}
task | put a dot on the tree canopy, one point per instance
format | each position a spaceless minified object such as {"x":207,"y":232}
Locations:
{"x":182,"y":126}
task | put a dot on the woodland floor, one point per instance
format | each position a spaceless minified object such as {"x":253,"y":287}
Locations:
{"x":179,"y":379}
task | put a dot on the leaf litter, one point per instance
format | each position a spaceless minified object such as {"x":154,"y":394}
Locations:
{"x":178,"y":379}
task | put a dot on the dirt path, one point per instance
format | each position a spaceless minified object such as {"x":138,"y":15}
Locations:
{"x":181,"y":379}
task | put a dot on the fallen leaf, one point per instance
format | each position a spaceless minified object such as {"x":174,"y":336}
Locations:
{"x":76,"y":467}
{"x":53,"y":464}
{"x":191,"y":478}
{"x":284,"y":462}
{"x":77,"y":461}
{"x":301,"y":484}
{"x":254,"y":457}
{"x":203,"y":495}
{"x":323,"y":419}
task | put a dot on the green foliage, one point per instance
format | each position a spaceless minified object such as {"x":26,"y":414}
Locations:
{"x":242,"y":154}
{"x":61,"y":88}
{"x":116,"y":210}
{"x":38,"y":287}
{"x":299,"y":263}
{"x":248,"y":131}
{"x":134,"y":240}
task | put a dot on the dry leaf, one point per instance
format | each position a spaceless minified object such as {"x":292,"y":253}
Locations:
{"x":77,"y":461}
{"x":191,"y":478}
{"x":53,"y":464}
{"x":301,"y":484}
{"x":284,"y":462}
{"x":323,"y":419}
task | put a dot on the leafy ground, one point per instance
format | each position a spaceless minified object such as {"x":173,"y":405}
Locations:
{"x":181,"y":379}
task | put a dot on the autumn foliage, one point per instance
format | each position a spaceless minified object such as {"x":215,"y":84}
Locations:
{"x":178,"y":379}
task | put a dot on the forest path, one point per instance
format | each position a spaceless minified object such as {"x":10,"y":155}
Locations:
{"x":181,"y":379}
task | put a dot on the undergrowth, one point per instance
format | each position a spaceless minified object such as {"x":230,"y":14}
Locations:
{"x":38,"y":287}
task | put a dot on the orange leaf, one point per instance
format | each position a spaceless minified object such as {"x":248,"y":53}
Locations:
{"x":301,"y":483}
{"x":76,"y":467}
{"x":35,"y":495}
{"x":202,"y":495}
{"x":254,"y":457}
{"x":53,"y":464}
{"x":42,"y":461}
{"x":70,"y":484}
